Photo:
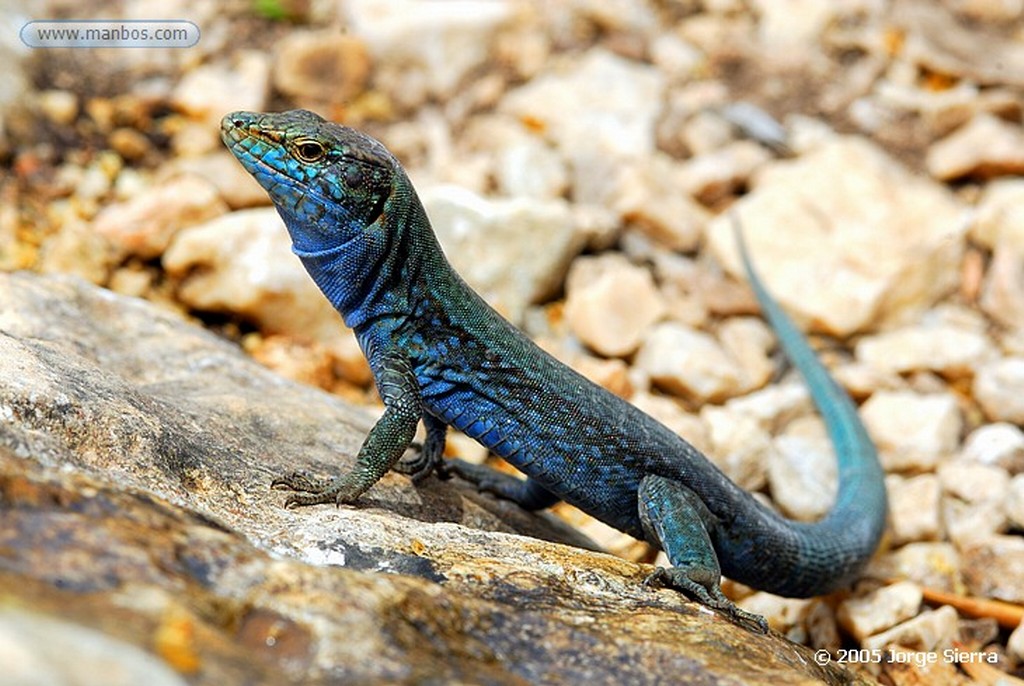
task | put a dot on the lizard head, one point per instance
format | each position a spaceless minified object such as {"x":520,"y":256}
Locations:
{"x":328,"y":182}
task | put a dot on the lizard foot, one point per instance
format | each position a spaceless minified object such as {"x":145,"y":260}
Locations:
{"x":421,"y":463}
{"x":710,"y":596}
{"x":311,"y":490}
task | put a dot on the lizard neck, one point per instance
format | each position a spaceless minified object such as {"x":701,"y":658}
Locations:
{"x":382,"y":273}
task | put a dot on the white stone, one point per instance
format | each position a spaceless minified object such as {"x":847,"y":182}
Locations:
{"x":739,"y":446}
{"x":689,"y":363}
{"x":146,"y":224}
{"x":934,"y":564}
{"x":987,"y":146}
{"x":942,"y":347}
{"x":1015,"y":644}
{"x":427,"y":47}
{"x":688,"y":426}
{"x":212,"y":90}
{"x":597,"y":102}
{"x":912,"y":431}
{"x":929,"y":631}
{"x":879,"y":610}
{"x":802,"y":471}
{"x":1000,"y":217}
{"x":1000,"y":443}
{"x":1014,"y":502}
{"x":816,"y":241}
{"x":611,"y":303}
{"x":513,"y":252}
{"x":914,"y":507}
{"x":999,"y":389}
{"x":973,"y":482}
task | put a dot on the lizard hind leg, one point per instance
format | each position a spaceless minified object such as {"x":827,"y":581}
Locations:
{"x":677,"y":519}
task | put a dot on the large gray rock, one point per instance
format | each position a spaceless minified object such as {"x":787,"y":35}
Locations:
{"x":135,"y":456}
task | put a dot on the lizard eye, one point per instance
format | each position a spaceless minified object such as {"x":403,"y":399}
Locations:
{"x":309,"y":151}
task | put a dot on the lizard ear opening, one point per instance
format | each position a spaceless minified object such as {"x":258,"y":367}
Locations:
{"x":378,"y":209}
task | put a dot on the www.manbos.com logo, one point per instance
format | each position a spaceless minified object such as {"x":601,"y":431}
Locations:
{"x":102,"y":33}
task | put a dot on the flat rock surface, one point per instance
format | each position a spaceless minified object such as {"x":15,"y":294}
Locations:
{"x":135,"y":456}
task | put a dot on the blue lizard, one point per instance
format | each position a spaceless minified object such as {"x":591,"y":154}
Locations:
{"x":441,"y":355}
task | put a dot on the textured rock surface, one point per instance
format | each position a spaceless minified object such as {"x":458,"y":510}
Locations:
{"x":135,"y":456}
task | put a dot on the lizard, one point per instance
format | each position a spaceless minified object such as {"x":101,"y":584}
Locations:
{"x":441,"y":355}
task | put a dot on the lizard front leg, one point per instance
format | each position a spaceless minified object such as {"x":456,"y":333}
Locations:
{"x":384,"y":445}
{"x":677,"y":519}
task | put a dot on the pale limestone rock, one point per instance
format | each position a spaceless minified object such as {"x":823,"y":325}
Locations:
{"x":424,"y":49}
{"x":815,"y":240}
{"x":973,"y":482}
{"x":320,"y":67}
{"x":748,"y":340}
{"x":1014,"y":502}
{"x":646,"y":194}
{"x":782,"y":613}
{"x":1000,"y":443}
{"x":802,"y":471}
{"x":714,"y":175}
{"x":999,"y":389}
{"x":929,"y":631}
{"x":1000,"y":215}
{"x":235,"y":185}
{"x":914,"y":507}
{"x":912,"y":431}
{"x":483,"y":237}
{"x":967,"y":522}
{"x":528,"y":167}
{"x":242,"y":263}
{"x":879,"y":610}
{"x":599,"y":103}
{"x":210,"y":91}
{"x":146,"y":224}
{"x":932,"y":345}
{"x":994,"y":568}
{"x":689,"y":363}
{"x":739,"y":446}
{"x":985,"y":147}
{"x":787,"y":28}
{"x":774,"y":406}
{"x":1015,"y":644}
{"x":59,"y":106}
{"x":1002,"y":297}
{"x":930,"y":564}
{"x":610,"y":303}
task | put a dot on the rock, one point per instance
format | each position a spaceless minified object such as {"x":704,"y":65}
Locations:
{"x":145,"y":225}
{"x":914,"y":507}
{"x":1015,"y":645}
{"x":774,"y":406}
{"x":999,"y":389}
{"x":985,"y":147}
{"x":482,"y":237}
{"x":973,"y":482}
{"x":41,"y":649}
{"x":597,"y":105}
{"x":831,"y":274}
{"x":749,"y":341}
{"x":235,"y":185}
{"x":1000,"y":217}
{"x":667,"y":411}
{"x":1000,"y":444}
{"x":60,"y":107}
{"x":802,"y":473}
{"x":946,"y":347}
{"x":242,"y":263}
{"x":1002,"y":298}
{"x":879,"y":610}
{"x":738,"y":445}
{"x":931,"y":565}
{"x":994,"y":568}
{"x":1014,"y":502}
{"x":689,"y":363}
{"x":321,"y":68}
{"x":713,"y":176}
{"x":424,"y":50}
{"x":210,"y":91}
{"x":135,"y":457}
{"x":912,"y":431}
{"x":930,"y":631}
{"x":610,"y":304}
